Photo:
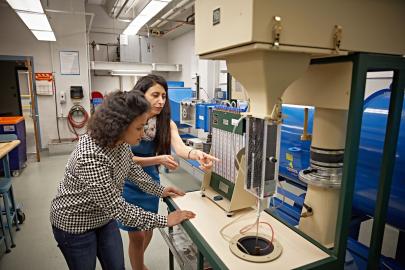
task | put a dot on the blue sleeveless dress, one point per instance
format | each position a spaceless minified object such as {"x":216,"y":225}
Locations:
{"x":132,"y":193}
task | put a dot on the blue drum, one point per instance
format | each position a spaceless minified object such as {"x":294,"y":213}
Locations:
{"x":294,"y":156}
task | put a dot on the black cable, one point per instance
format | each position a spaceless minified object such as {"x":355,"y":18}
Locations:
{"x":308,"y":212}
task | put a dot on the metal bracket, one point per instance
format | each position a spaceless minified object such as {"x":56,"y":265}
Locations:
{"x":277,"y":28}
{"x":276,"y":115}
{"x":337,"y":37}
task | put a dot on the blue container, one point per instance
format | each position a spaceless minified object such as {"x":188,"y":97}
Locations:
{"x":370,"y":155}
{"x":203,"y":115}
{"x":97,"y":101}
{"x":176,"y":95}
{"x":15,"y":125}
{"x":200,"y":115}
{"x":207,"y":118}
{"x":173,"y":84}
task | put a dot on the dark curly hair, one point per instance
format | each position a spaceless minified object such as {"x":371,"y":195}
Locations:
{"x":112,"y":118}
{"x":163,"y":136}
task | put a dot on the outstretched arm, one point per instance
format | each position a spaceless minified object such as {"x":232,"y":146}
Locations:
{"x":188,"y":152}
{"x":165,"y":160}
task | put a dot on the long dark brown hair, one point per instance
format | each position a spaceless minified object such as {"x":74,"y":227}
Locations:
{"x":113,"y":117}
{"x":163,"y":135}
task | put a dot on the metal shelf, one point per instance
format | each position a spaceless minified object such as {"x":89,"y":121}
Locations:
{"x":133,"y":67}
{"x":182,"y":248}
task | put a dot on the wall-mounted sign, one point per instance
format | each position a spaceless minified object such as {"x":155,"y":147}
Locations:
{"x":43,"y":76}
{"x":69,"y":63}
{"x":43,"y":81}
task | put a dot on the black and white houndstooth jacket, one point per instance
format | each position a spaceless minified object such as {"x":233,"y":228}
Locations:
{"x":89,"y":195}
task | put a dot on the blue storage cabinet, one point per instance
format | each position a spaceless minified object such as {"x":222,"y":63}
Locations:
{"x":17,"y":157}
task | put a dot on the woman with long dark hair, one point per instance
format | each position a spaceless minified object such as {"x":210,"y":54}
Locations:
{"x":161,"y":134}
{"x":89,"y":199}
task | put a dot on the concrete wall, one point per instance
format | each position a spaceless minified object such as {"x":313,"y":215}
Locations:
{"x":70,"y":32}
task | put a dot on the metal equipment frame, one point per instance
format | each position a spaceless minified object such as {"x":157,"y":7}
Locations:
{"x":362,"y":63}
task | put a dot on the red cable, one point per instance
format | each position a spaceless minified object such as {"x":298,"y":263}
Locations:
{"x":74,"y":125}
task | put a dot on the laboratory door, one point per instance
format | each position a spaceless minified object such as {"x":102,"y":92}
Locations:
{"x":17,"y":97}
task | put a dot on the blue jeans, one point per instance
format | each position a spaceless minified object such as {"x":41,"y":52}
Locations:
{"x":81,"y":250}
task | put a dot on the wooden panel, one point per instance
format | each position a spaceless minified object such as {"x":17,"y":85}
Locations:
{"x":6,"y":148}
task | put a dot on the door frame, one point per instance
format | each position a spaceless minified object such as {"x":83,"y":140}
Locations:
{"x":29,"y":63}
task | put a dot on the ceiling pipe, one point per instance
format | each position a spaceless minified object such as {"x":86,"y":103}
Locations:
{"x":74,"y":13}
{"x":171,"y":12}
{"x":114,"y":8}
{"x":90,"y":22}
{"x":134,"y":2}
{"x":177,"y":12}
{"x":121,"y":9}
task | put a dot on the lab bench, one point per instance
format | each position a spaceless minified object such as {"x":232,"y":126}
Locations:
{"x":204,"y":245}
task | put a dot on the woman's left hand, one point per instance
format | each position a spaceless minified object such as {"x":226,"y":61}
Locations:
{"x":204,"y":159}
{"x":172,"y":192}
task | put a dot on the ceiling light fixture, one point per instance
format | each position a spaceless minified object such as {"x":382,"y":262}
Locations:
{"x":119,"y":72}
{"x":32,"y":14}
{"x":35,"y":21}
{"x":26,"y":5}
{"x":149,"y":11}
{"x":127,"y":74}
{"x":44,"y":35}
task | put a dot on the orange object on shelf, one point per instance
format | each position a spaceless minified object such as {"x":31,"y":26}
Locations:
{"x":11,"y":120}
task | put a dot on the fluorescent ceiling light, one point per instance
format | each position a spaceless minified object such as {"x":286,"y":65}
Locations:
{"x":117,"y":72}
{"x":32,"y":14}
{"x":151,"y":9}
{"x":35,"y":21}
{"x":44,"y":35}
{"x":127,"y":74}
{"x":132,"y":70}
{"x":27,"y":5}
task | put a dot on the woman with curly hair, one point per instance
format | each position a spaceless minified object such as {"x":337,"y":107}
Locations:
{"x":161,"y":135}
{"x":89,"y":200}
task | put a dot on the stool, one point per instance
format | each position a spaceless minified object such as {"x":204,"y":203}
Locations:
{"x":3,"y":238}
{"x":6,"y":191}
